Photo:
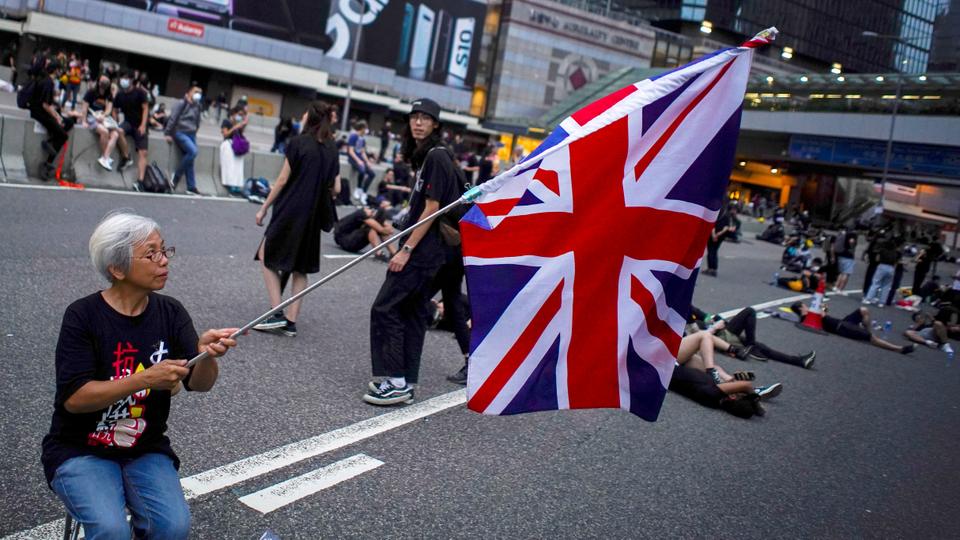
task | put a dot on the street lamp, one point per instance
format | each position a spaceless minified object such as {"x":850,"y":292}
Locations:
{"x":896,"y":105}
{"x":344,"y":118}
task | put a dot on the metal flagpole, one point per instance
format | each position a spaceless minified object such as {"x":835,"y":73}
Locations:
{"x":467,"y":197}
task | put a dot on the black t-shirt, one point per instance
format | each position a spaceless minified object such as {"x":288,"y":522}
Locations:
{"x":830,"y":324}
{"x":96,"y":101}
{"x":130,"y":103}
{"x":849,"y":246}
{"x":723,"y":221}
{"x":227,"y":124}
{"x":348,"y":224}
{"x":931,"y":254}
{"x":42,"y":93}
{"x":485,"y":172}
{"x":99,"y":344}
{"x":437,"y":180}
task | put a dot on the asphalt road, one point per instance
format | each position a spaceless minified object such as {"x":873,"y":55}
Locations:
{"x":864,"y":445}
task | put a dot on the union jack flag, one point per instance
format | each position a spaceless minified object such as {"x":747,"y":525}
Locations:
{"x":581,"y":260}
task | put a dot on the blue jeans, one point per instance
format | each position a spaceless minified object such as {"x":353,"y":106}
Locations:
{"x":187,"y":142}
{"x":96,"y":491}
{"x":365,"y":175}
{"x":882,"y":279}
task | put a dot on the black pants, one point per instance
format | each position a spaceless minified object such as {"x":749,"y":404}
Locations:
{"x":897,"y":280}
{"x":449,"y":281}
{"x":919,"y":274}
{"x":398,"y":322}
{"x":56,"y":135}
{"x":868,"y":278}
{"x":744,"y":324}
{"x":712,"y":249}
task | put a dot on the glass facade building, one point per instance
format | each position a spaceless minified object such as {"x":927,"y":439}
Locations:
{"x":826,"y":31}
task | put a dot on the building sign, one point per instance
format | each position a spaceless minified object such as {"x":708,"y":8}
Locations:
{"x":429,"y":40}
{"x":293,"y":21}
{"x":186,"y":28}
{"x":580,"y":27}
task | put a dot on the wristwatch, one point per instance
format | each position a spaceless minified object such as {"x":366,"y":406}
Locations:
{"x":407,"y":248}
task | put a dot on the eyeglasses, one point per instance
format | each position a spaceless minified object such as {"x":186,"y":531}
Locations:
{"x":420,"y":117}
{"x":156,"y":256}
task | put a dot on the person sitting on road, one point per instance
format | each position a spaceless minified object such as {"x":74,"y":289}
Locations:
{"x":698,"y":350}
{"x":743,"y":327}
{"x":855,"y":326}
{"x":365,"y":227}
{"x":806,"y":281}
{"x":120,"y":357}
{"x":930,"y":332}
{"x":391,"y":190}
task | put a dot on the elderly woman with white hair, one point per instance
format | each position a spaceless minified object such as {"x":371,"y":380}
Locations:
{"x":121,"y":355}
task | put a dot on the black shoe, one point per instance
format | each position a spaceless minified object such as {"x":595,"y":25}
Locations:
{"x":388,"y":394}
{"x":755,"y":355}
{"x":808,"y":359}
{"x":767,"y":392}
{"x":124,"y":163}
{"x":740,"y":353}
{"x":290,"y":330}
{"x":138,"y":186}
{"x":907,"y":349}
{"x":194,"y":193}
{"x":277,"y":320}
{"x":459,"y":377}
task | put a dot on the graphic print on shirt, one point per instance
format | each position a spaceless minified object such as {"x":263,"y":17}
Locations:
{"x":122,"y":423}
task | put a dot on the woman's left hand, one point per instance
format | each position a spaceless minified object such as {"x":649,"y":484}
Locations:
{"x":398,"y":261}
{"x":261,"y":213}
{"x":216,"y":342}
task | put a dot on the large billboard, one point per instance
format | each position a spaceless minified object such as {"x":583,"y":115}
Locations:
{"x":429,"y":40}
{"x":294,"y":21}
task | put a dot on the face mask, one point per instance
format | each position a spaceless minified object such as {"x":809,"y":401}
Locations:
{"x":197,"y":96}
{"x":238,"y":118}
{"x":124,"y":83}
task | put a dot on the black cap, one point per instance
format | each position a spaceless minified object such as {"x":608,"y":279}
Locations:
{"x":426,"y":106}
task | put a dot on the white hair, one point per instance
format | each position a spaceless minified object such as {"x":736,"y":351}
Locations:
{"x":112,"y":242}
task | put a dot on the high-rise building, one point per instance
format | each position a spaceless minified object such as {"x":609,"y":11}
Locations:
{"x":945,"y":54}
{"x":818,"y":31}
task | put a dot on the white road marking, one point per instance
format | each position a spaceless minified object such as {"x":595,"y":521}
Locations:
{"x":279,"y":495}
{"x":244,"y":469}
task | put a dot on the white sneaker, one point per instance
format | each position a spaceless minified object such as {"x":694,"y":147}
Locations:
{"x":105,"y":163}
{"x":357,"y":193}
{"x":363,"y":199}
{"x":946,"y":348}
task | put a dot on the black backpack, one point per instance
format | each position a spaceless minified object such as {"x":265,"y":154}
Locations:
{"x":25,"y":94}
{"x":154,"y":181}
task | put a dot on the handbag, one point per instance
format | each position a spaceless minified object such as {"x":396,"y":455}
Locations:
{"x":239,"y":144}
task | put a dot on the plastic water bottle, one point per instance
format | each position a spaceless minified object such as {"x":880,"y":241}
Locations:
{"x":776,"y":278}
{"x":950,"y":357}
{"x":887,"y":326}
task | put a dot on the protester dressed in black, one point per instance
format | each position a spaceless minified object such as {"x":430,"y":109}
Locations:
{"x":42,"y":110}
{"x":302,"y":201}
{"x":398,"y":317}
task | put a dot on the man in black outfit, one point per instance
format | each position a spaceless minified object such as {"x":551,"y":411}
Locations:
{"x":743,"y":326}
{"x":43,"y":110}
{"x":398,"y":317}
{"x":721,"y":229}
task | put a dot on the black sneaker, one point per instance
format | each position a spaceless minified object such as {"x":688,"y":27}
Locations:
{"x":459,"y":377}
{"x":808,"y":359}
{"x":388,"y":394}
{"x":290,"y":330}
{"x":277,"y":320}
{"x":767,"y":392}
{"x":907,"y":349}
{"x":740,"y":353}
{"x":755,"y":355}
{"x":124,"y":163}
